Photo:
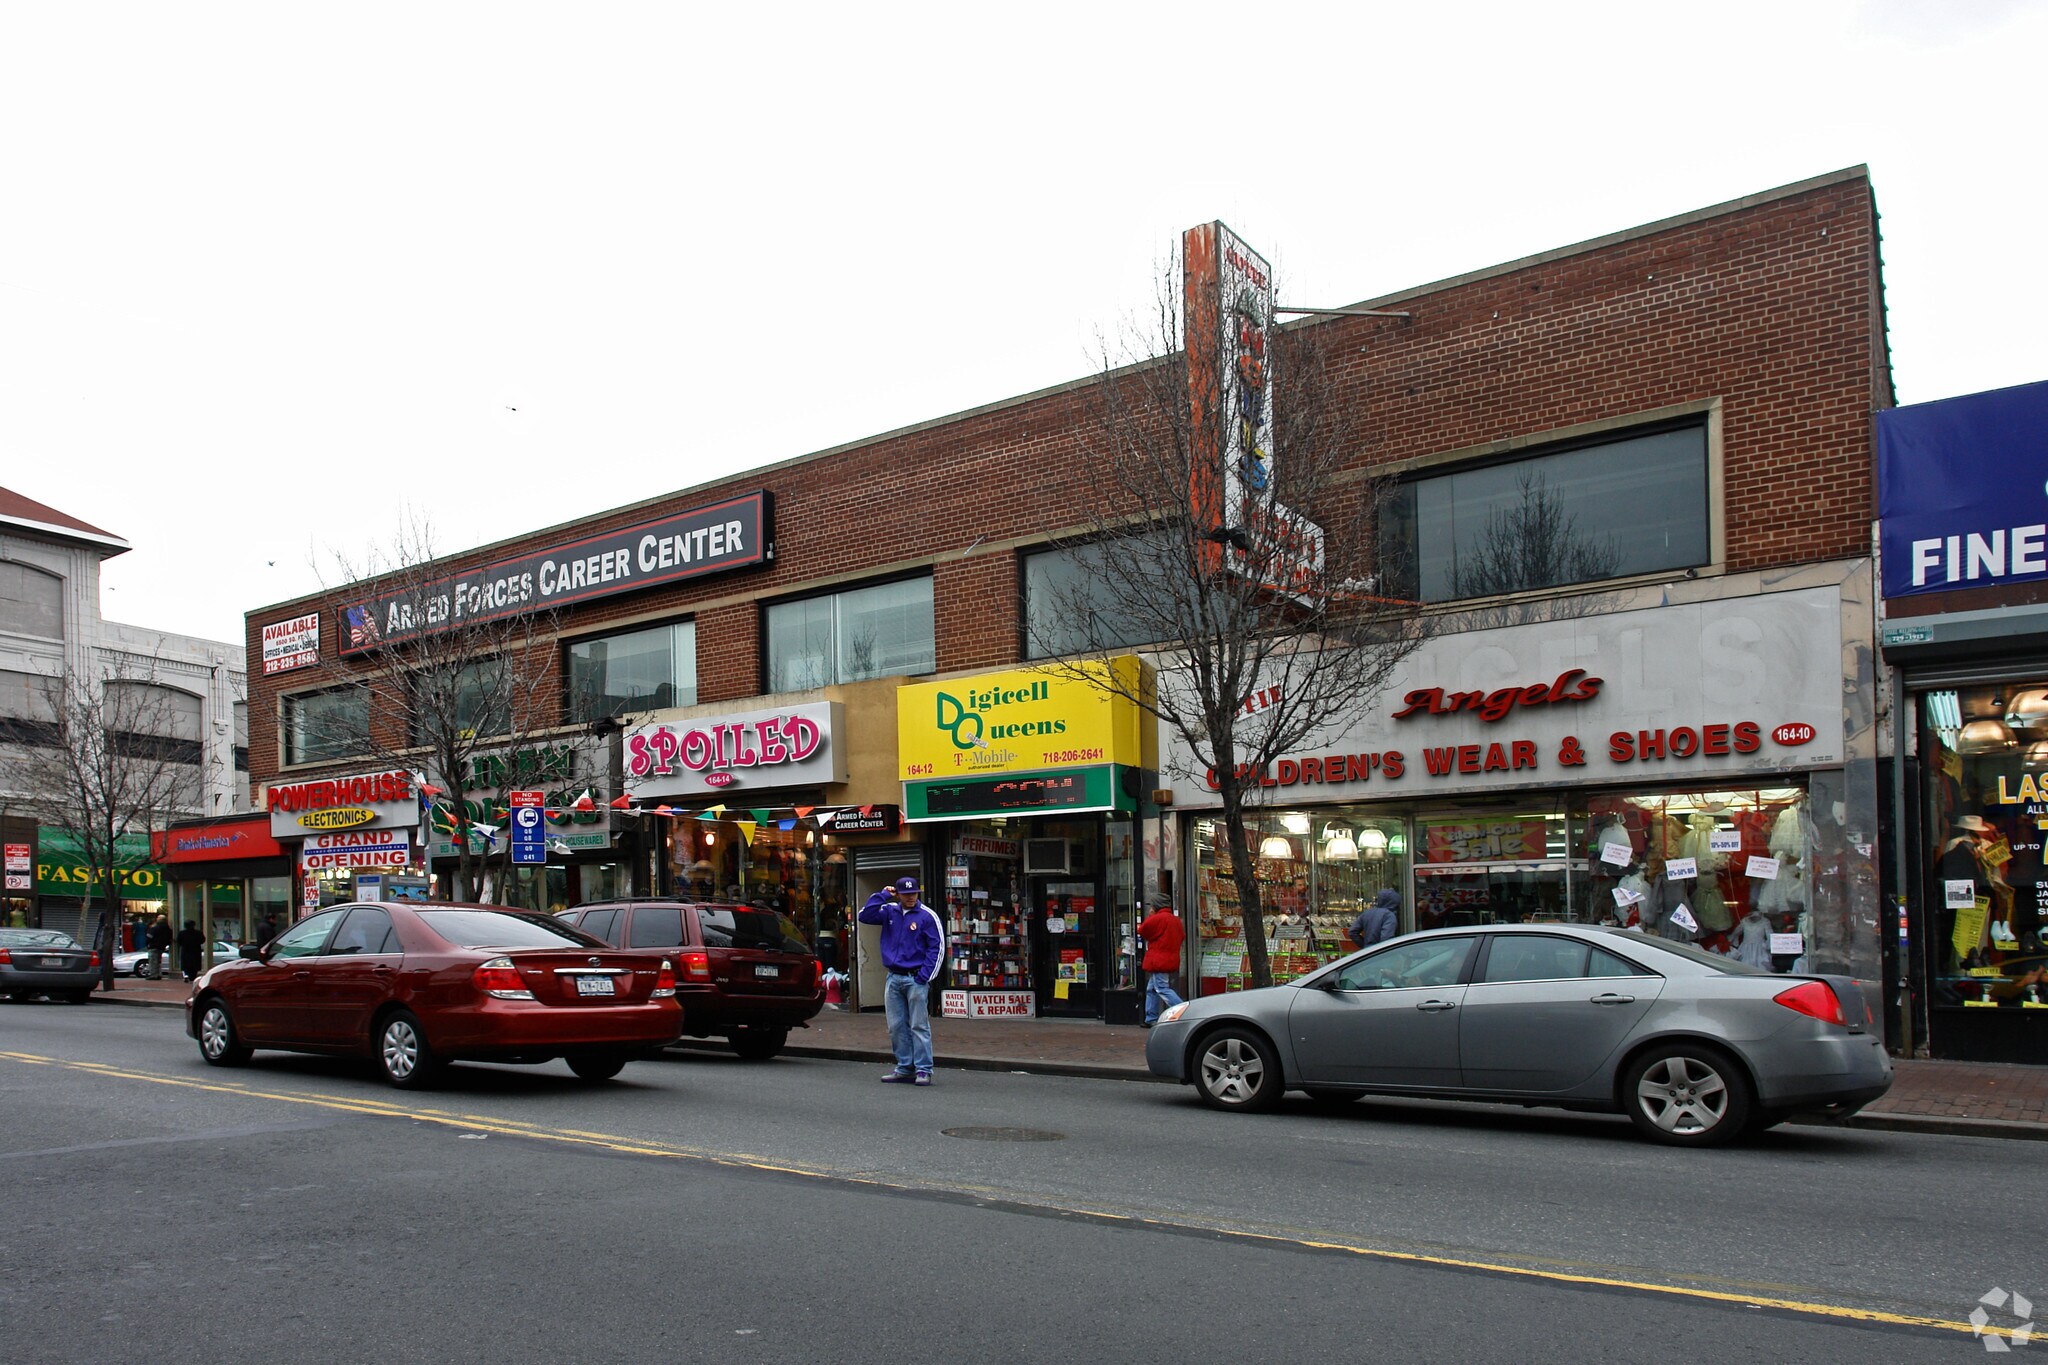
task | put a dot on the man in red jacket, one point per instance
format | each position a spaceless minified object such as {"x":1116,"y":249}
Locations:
{"x":1163,"y":936}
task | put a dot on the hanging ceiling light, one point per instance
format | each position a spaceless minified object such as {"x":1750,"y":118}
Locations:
{"x":2029,"y":708}
{"x":1273,"y":846}
{"x":1372,"y":840}
{"x":1987,"y":736}
{"x":1341,"y":849}
{"x":1294,"y":822}
{"x":2037,"y":754}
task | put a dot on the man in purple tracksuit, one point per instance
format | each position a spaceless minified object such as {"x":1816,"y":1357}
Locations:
{"x":913,"y":945}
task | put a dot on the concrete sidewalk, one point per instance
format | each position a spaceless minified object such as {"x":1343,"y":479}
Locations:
{"x":1966,"y":1098}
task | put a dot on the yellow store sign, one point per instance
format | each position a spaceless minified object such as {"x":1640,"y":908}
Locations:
{"x":1025,"y":720}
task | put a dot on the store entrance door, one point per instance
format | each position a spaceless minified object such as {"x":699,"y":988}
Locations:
{"x":1066,"y":934}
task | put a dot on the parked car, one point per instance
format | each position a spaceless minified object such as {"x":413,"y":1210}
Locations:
{"x":743,"y":972}
{"x":1695,"y":1048}
{"x":420,"y":984}
{"x":137,"y":963}
{"x":46,"y":962}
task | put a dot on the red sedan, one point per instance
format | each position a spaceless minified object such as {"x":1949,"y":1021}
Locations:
{"x":421,"y":984}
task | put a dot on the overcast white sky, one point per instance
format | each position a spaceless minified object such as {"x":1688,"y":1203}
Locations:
{"x":273,"y":274}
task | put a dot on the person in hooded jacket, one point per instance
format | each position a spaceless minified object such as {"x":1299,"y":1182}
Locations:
{"x":1163,"y":937}
{"x":913,"y":944}
{"x":1379,"y":921}
{"x":191,"y":949}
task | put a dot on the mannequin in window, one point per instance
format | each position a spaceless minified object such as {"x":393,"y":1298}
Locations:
{"x":1612,"y":829}
{"x":1962,"y":858}
{"x":1786,"y":895}
{"x":1707,"y":905}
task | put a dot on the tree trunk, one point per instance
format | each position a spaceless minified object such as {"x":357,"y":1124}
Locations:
{"x":1245,"y":874}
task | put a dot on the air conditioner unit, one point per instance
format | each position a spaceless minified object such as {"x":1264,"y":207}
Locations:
{"x":1045,"y":856}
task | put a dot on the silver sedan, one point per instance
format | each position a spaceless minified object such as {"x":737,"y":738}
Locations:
{"x":1695,"y":1048}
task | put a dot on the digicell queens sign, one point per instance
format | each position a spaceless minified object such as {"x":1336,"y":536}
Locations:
{"x":705,"y":540}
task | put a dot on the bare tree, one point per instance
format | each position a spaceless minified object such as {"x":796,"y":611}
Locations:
{"x":105,"y":759}
{"x":1268,"y":610}
{"x":450,"y":670}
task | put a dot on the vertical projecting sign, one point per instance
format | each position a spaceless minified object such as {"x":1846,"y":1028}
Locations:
{"x":1227,"y":307}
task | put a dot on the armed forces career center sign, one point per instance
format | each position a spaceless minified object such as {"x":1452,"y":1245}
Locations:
{"x":707,"y":540}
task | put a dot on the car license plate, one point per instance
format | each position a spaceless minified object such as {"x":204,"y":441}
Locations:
{"x":594,"y":985}
{"x":768,"y":971}
{"x":53,"y":962}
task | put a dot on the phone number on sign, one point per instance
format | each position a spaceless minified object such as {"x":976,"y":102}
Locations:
{"x":1070,"y":756}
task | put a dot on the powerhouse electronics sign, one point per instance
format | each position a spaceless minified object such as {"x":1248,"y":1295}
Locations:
{"x":728,"y":535}
{"x":1962,"y":491}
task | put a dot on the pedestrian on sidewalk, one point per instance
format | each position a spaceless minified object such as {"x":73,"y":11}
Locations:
{"x":191,"y":943}
{"x":1163,"y":937}
{"x":913,"y":945}
{"x":1379,"y":921}
{"x":159,"y":945}
{"x":268,"y":930}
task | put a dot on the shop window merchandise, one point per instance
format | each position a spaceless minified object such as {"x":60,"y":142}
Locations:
{"x":1727,"y":870}
{"x":1985,"y":755}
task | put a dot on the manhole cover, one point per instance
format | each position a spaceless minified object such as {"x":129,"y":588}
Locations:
{"x":1004,"y":1134}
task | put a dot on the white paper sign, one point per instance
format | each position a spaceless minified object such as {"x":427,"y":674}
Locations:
{"x":1790,"y":944}
{"x":1624,"y":897}
{"x":1681,"y":869}
{"x":1682,"y":917}
{"x":1055,"y":925}
{"x":1618,"y":854}
{"x":1725,"y":841}
{"x":1763,"y":869}
{"x":1958,"y":895}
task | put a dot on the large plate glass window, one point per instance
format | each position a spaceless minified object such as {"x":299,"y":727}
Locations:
{"x":1985,"y":754}
{"x":1580,"y":513}
{"x":879,"y":631}
{"x":323,"y":725}
{"x":1079,"y":598}
{"x":471,"y":700}
{"x":639,"y":670}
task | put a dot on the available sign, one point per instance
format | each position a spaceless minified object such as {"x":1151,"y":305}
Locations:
{"x":687,"y":755}
{"x":988,"y":1004}
{"x":704,"y":540}
{"x":357,"y":848}
{"x":291,"y":644}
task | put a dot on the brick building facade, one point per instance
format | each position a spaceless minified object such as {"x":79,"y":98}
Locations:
{"x":1758,"y":325}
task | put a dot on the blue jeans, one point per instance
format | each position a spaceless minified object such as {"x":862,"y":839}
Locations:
{"x":910,"y":1024}
{"x":1159,"y":994}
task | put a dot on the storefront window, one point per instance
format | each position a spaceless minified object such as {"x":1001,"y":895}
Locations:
{"x":1316,"y":870}
{"x":1985,"y":753}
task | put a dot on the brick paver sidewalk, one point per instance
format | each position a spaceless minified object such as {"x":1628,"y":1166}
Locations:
{"x":1960,"y":1097}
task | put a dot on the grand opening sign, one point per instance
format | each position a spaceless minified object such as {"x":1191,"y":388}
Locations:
{"x":714,"y":539}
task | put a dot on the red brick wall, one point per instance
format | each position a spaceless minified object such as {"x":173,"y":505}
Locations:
{"x":1771,"y":307}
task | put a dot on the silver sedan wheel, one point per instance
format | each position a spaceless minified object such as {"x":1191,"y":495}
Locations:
{"x":1232,"y":1070}
{"x":1683,"y":1095}
{"x":401,"y":1050}
{"x":215,"y":1033}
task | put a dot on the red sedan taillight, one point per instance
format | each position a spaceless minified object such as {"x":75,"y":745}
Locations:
{"x":665,"y":983}
{"x":1816,"y":999}
{"x":95,"y":963}
{"x":696,"y":966}
{"x":817,"y":972}
{"x":5,"y":957}
{"x":500,"y":980}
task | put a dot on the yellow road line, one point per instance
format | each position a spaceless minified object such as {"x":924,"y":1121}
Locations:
{"x":633,"y":1147}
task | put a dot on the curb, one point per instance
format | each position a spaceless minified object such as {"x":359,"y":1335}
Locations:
{"x":1939,"y":1126}
{"x":1005,"y":1064}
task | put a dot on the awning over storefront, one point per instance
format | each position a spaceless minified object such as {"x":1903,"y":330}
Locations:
{"x":62,"y":868}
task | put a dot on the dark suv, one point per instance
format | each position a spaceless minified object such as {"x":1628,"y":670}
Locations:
{"x":741,"y":971}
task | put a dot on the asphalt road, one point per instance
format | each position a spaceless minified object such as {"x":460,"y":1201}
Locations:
{"x":702,"y":1208}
